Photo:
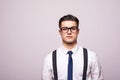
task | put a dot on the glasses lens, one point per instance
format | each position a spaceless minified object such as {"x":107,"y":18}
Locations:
{"x":64,"y":29}
{"x":73,"y":29}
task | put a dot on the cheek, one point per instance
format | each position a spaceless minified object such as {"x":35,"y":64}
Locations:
{"x":62,"y":35}
{"x":76,"y":35}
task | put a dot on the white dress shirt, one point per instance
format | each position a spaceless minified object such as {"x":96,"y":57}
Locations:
{"x":93,"y":70}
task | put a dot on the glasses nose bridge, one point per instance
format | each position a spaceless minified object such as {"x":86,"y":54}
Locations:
{"x":69,"y":29}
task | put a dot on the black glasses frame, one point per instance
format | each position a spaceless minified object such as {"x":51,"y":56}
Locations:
{"x":66,"y":29}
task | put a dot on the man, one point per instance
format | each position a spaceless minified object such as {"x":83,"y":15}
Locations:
{"x":70,"y":59}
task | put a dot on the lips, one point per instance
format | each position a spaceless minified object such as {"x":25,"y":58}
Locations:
{"x":69,"y":37}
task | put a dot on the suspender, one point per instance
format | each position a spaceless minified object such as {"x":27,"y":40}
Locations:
{"x":54,"y":59}
{"x":85,"y":63}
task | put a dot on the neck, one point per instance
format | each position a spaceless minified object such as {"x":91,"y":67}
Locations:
{"x":69,"y":45}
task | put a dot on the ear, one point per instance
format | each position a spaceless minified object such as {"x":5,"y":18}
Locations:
{"x":59,"y":32}
{"x":78,"y":31}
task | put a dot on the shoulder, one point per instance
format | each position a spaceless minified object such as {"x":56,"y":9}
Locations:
{"x":91,"y":54}
{"x":81,"y":48}
{"x":47,"y":59}
{"x":49,"y":55}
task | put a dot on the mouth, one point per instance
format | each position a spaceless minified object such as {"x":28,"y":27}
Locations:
{"x":69,"y":37}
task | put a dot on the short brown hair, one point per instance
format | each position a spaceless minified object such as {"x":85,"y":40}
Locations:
{"x":68,"y":17}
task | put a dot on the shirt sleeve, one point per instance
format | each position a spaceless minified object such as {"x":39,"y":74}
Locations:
{"x":96,"y":72}
{"x":47,"y":68}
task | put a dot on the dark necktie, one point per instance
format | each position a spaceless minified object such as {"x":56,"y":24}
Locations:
{"x":70,"y":66}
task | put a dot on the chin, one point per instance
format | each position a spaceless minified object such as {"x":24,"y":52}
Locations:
{"x":69,"y":42}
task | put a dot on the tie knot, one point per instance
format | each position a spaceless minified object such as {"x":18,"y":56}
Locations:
{"x":70,"y":53}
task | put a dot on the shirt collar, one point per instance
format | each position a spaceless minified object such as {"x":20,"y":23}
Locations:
{"x":65,"y":50}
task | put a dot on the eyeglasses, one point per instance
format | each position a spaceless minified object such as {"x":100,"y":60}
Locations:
{"x":66,"y":29}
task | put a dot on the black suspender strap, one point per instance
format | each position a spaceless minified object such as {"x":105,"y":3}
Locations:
{"x":85,"y":63}
{"x":54,"y":60}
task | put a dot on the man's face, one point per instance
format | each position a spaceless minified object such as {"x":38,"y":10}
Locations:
{"x":69,"y":32}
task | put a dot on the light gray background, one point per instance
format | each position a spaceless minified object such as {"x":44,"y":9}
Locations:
{"x":29,"y":31}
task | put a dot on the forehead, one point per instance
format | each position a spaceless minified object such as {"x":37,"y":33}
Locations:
{"x":68,"y":23}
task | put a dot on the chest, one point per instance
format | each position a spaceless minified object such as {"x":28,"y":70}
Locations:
{"x":78,"y":61}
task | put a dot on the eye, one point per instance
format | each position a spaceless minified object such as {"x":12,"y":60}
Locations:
{"x":73,"y":28}
{"x":64,"y":28}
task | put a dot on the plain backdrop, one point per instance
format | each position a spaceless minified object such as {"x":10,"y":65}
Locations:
{"x":29,"y":31}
